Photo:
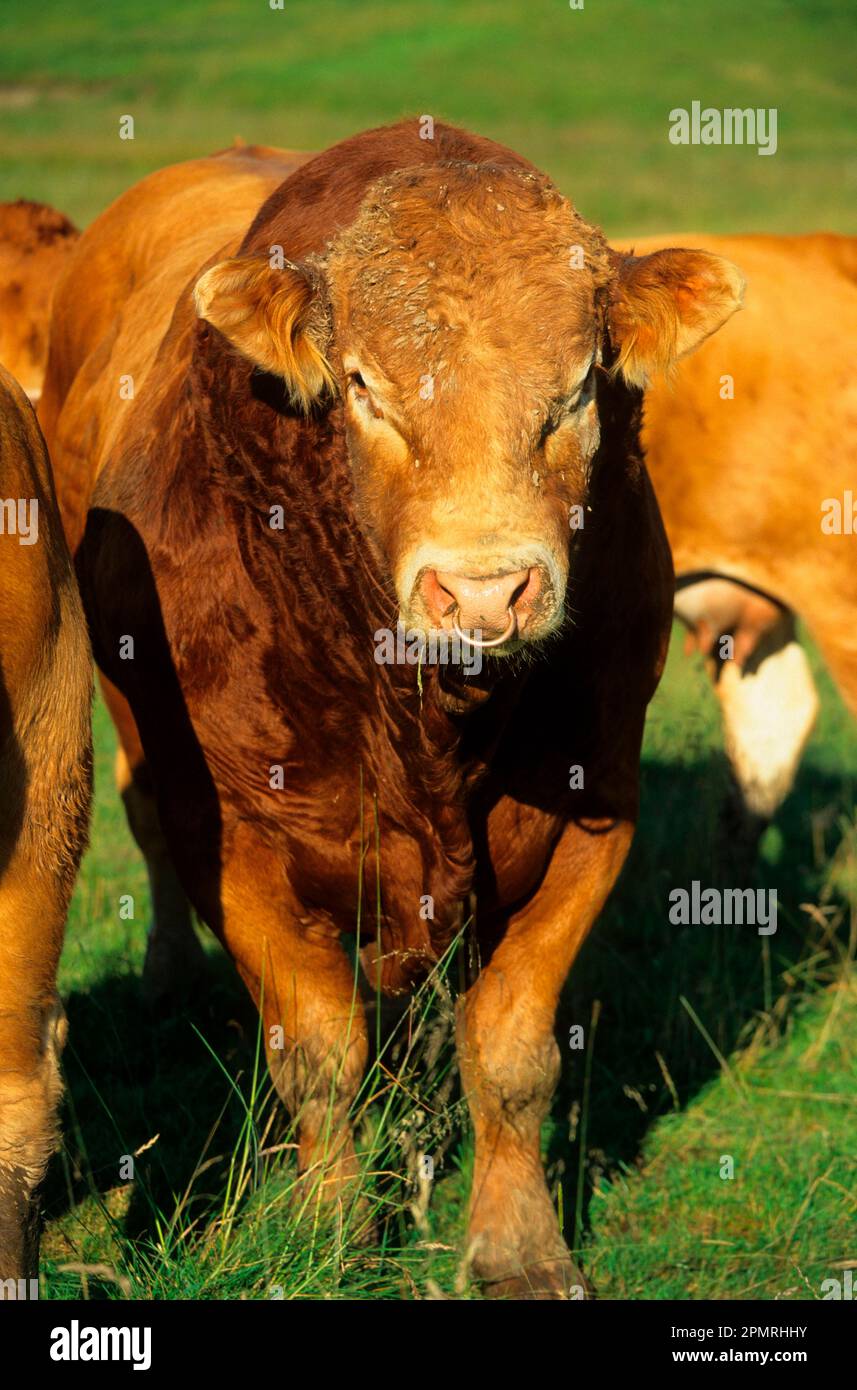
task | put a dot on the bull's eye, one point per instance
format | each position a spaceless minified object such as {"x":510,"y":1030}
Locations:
{"x":584,"y":394}
{"x":569,"y":406}
{"x":587,"y":390}
{"x":550,"y":426}
{"x":359,"y":391}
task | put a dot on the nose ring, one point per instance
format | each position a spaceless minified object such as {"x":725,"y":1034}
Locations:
{"x":493,"y":641}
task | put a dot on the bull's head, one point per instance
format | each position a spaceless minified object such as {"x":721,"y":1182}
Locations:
{"x":463,"y":319}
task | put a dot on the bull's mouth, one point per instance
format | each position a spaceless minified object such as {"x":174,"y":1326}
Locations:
{"x":467,"y":644}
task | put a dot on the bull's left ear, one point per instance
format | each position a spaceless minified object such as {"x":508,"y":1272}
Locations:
{"x":664,"y":305}
{"x":273,"y":317}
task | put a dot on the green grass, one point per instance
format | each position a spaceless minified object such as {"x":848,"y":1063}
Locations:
{"x":586,"y":94}
{"x":786,"y":1115}
{"x":708,"y":1042}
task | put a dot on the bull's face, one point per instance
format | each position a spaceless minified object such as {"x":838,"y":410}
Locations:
{"x":462,"y":319}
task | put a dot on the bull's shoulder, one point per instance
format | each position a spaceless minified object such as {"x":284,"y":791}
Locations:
{"x":163,"y":228}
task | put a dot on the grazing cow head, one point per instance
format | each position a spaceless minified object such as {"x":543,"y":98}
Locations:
{"x":463,"y":318}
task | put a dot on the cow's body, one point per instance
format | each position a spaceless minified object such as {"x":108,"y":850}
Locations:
{"x":45,"y":766}
{"x":741,"y":483}
{"x":260,"y":708}
{"x":35,"y":242}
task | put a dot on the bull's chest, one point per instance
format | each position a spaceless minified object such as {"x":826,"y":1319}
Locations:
{"x":359,"y":867}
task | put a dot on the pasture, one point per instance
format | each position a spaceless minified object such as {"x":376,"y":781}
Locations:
{"x":701,"y":1043}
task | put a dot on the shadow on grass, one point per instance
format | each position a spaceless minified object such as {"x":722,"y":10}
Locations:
{"x":649,"y":1055}
{"x":131,"y":1075}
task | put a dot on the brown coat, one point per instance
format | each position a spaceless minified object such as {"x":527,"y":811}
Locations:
{"x":35,"y":241}
{"x":45,"y":770}
{"x":251,"y":703}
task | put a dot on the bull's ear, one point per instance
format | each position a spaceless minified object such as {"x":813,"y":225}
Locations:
{"x":664,"y":305}
{"x":272,"y":317}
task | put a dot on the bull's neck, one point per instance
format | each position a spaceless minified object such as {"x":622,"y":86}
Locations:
{"x":286,"y":486}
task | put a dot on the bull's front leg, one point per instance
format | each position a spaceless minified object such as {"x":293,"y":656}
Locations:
{"x":510,"y":1066}
{"x":313,"y":1018}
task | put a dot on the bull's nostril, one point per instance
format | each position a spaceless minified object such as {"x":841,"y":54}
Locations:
{"x":439,"y":601}
{"x":522,"y":587}
{"x":447,"y":594}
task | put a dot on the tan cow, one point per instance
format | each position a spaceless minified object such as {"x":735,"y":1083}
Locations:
{"x":45,"y":773}
{"x":748,"y":444}
{"x":35,"y":241}
{"x":386,"y":392}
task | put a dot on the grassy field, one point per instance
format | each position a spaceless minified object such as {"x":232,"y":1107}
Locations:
{"x":709,"y":1042}
{"x":586,"y":94}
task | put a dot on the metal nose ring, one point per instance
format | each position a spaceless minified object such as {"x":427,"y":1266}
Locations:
{"x":493,"y":641}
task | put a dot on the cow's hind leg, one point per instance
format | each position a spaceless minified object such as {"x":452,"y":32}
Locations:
{"x":766,"y":694}
{"x":312,"y":1015}
{"x":175,"y":960}
{"x":32,"y":1032}
{"x":510,"y":1065}
{"x":769,"y":708}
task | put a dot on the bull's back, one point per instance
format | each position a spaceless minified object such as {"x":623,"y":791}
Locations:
{"x":118,"y":296}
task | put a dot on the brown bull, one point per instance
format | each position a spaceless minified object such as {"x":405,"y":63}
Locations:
{"x":407,"y":389}
{"x":35,"y":241}
{"x":45,"y":770}
{"x":745,"y":445}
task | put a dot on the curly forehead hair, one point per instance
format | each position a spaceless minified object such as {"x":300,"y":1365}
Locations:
{"x":457,"y":208}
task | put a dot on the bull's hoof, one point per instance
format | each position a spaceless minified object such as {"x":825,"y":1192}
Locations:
{"x":554,"y":1276}
{"x":175,"y":969}
{"x":337,"y":1204}
{"x":568,"y":1285}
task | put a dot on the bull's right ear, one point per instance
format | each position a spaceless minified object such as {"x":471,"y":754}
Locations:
{"x":272,"y":318}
